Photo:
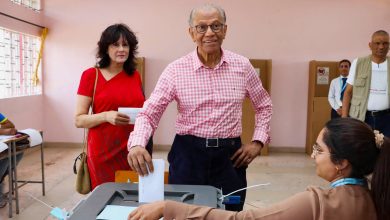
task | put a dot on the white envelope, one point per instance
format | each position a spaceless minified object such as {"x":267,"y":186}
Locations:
{"x":131,"y":112}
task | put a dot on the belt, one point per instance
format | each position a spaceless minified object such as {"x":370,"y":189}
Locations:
{"x":215,"y":142}
{"x":378,"y":113}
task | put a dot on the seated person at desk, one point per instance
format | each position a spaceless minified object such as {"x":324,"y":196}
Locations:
{"x":346,"y":151}
{"x":6,"y":128}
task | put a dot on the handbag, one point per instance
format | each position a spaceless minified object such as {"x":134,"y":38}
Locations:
{"x":83,"y":180}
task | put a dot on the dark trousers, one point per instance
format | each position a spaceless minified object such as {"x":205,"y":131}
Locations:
{"x":380,"y":123}
{"x":333,"y":114}
{"x":192,"y":163}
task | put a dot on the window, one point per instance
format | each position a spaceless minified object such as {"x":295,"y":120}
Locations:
{"x":18,"y":59}
{"x":31,"y":4}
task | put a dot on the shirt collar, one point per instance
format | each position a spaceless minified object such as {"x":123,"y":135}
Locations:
{"x":198,"y":64}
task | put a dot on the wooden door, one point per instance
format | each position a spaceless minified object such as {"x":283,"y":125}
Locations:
{"x":141,"y":69}
{"x":321,"y":73}
{"x":264,"y":69}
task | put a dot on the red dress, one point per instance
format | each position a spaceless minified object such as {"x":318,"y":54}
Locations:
{"x":107,"y":143}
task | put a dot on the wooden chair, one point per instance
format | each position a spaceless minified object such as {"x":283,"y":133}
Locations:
{"x":123,"y":176}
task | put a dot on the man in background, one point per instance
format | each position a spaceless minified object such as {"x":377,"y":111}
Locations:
{"x":367,"y":96}
{"x":337,"y":88}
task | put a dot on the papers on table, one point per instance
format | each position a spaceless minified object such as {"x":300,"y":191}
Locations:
{"x":115,"y":212}
{"x":151,"y":187}
{"x":35,"y":137}
{"x":3,"y":146}
{"x":131,"y":112}
{"x":5,"y":137}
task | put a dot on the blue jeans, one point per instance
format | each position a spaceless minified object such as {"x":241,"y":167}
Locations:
{"x":4,"y":169}
{"x":380,"y":123}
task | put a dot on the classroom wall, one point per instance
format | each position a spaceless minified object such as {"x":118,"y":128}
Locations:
{"x":291,"y":33}
{"x":24,"y":112}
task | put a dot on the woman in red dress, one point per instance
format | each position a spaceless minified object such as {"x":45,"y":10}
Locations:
{"x":118,"y":85}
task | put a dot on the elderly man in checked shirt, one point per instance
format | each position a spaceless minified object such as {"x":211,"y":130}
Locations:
{"x":209,"y":86}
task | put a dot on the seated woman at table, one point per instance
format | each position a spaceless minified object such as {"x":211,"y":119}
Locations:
{"x":346,"y":151}
{"x":6,"y":128}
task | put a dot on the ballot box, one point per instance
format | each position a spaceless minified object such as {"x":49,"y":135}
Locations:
{"x":126,"y":194}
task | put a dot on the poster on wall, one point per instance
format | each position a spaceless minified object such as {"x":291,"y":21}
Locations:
{"x":322,"y":75}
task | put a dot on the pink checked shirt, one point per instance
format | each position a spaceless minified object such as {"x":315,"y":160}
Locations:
{"x":209,"y":100}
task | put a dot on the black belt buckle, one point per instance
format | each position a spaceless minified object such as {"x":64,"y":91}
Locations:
{"x":212,"y":142}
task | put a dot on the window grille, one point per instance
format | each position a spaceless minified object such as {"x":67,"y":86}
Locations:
{"x":18,"y":59}
{"x":34,"y":5}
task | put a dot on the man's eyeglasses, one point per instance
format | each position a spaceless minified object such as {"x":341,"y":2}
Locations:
{"x":344,"y":66}
{"x":202,"y":28}
{"x":317,"y":150}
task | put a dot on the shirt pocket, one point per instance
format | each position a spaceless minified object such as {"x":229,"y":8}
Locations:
{"x":355,"y":107}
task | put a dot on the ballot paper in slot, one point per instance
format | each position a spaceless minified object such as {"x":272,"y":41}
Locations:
{"x":131,"y":112}
{"x":151,"y":187}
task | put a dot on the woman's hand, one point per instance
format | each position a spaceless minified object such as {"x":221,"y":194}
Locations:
{"x":117,"y":118}
{"x":150,"y":211}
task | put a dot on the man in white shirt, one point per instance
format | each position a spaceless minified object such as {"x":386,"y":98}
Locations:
{"x":337,"y":88}
{"x":367,"y":96}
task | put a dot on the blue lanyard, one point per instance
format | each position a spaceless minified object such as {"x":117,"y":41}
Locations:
{"x":348,"y":181}
{"x":341,"y":84}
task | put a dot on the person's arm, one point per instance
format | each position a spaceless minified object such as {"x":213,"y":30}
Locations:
{"x":332,"y":95}
{"x":84,"y":120}
{"x":302,"y":206}
{"x":261,"y":102}
{"x":347,"y":100}
{"x":7,"y":127}
{"x":147,"y":121}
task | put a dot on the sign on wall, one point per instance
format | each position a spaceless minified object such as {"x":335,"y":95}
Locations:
{"x":322,"y":75}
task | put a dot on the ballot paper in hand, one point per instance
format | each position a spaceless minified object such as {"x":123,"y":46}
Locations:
{"x":151,"y":187}
{"x":131,"y":112}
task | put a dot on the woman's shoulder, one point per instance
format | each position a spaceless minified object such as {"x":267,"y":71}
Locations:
{"x":90,"y":71}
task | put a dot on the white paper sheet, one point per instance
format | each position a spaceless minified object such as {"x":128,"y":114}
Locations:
{"x":3,"y":146}
{"x":115,"y":212}
{"x":151,"y":187}
{"x":35,"y":137}
{"x":131,"y":112}
{"x":6,"y":137}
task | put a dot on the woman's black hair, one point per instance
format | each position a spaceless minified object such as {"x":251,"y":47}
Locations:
{"x":111,"y":35}
{"x":353,"y":140}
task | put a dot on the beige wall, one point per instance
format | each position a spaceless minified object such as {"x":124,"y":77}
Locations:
{"x":289,"y":32}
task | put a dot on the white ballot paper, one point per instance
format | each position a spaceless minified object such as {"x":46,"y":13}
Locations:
{"x":151,"y":187}
{"x":35,"y":137}
{"x":131,"y":112}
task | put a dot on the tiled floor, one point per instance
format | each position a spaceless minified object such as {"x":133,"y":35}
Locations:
{"x":287,"y":174}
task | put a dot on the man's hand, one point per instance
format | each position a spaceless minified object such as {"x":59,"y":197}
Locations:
{"x":246,"y":154}
{"x":138,"y":158}
{"x":151,"y":211}
{"x":339,"y":111}
{"x":117,"y":118}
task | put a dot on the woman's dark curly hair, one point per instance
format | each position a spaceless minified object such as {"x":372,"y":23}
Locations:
{"x":111,"y":35}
